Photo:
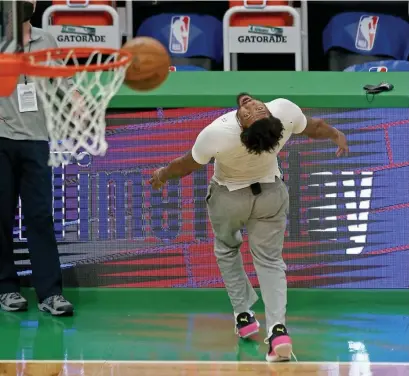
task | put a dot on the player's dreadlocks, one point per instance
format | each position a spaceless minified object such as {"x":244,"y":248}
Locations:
{"x":263,"y":135}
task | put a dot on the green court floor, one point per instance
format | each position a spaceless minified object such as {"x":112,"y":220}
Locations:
{"x":182,"y":324}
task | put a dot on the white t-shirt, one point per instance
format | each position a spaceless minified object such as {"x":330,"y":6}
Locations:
{"x":235,"y":167}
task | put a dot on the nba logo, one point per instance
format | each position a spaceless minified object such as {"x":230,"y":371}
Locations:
{"x":365,"y":35}
{"x":378,"y":69}
{"x":179,"y":34}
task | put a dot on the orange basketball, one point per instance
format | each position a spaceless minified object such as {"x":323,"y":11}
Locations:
{"x":150,"y":65}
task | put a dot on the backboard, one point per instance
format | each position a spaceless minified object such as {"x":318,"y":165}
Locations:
{"x":10,"y":26}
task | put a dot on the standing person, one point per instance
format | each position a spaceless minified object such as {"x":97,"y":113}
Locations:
{"x":246,"y":191}
{"x":24,"y":171}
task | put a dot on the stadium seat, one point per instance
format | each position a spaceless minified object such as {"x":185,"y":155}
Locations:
{"x":86,"y":23}
{"x":353,"y":38}
{"x":261,"y":26}
{"x":191,"y":39}
{"x":83,"y":18}
{"x":260,"y":18}
{"x":380,"y":66}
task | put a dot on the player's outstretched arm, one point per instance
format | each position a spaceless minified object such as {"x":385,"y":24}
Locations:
{"x":202,"y":152}
{"x":176,"y":169}
{"x":318,"y":129}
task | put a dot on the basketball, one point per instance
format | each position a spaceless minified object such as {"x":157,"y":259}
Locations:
{"x":150,"y":65}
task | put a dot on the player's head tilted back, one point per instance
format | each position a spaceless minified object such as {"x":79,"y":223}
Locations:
{"x":261,"y":131}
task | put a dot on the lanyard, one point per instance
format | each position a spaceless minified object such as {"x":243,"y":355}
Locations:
{"x":29,"y":50}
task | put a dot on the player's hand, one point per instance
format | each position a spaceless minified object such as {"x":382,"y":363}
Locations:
{"x":157,"y":181}
{"x":342,"y":143}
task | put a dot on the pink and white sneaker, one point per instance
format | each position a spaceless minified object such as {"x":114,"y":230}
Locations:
{"x":246,"y":324}
{"x":280,"y":344}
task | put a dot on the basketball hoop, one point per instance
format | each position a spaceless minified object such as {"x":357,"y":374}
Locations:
{"x":75,"y":122}
{"x":10,"y":70}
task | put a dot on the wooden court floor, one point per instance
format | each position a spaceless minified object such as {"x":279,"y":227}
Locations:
{"x":175,"y":368}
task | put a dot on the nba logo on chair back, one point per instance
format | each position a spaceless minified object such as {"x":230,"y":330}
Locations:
{"x":179,"y":34}
{"x":365,"y":35}
{"x":378,"y":69}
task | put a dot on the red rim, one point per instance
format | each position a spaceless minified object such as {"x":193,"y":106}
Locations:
{"x":10,"y":64}
{"x":10,"y":69}
{"x":33,"y":61}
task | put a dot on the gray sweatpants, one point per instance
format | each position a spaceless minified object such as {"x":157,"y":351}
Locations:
{"x":264,"y":217}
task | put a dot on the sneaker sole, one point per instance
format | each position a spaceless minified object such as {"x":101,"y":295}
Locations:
{"x":251,"y":330}
{"x":282,"y":353}
{"x":16,"y":309}
{"x":53,"y":312}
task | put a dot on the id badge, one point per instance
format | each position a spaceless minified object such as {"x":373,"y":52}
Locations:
{"x":27,"y":97}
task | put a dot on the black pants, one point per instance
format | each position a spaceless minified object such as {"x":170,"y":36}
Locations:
{"x":24,"y":171}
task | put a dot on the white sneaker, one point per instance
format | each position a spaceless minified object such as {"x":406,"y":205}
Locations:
{"x":13,"y":302}
{"x":56,"y":305}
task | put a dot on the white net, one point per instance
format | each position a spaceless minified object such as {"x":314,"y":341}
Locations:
{"x":75,"y":107}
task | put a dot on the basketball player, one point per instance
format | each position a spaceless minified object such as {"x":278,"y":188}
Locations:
{"x":246,"y":191}
{"x":24,"y":172}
